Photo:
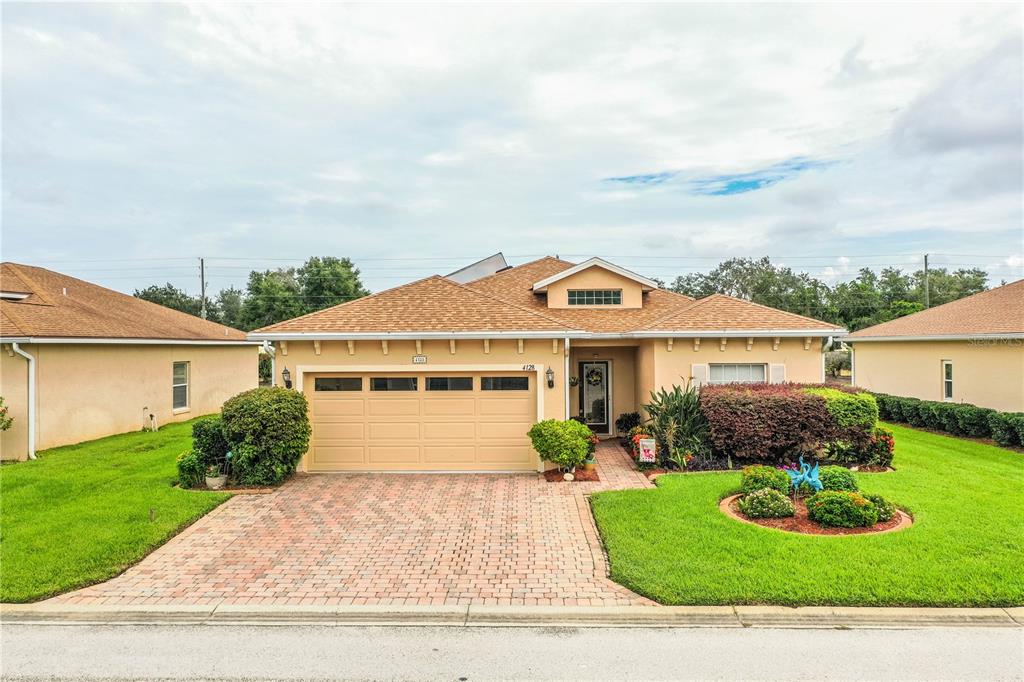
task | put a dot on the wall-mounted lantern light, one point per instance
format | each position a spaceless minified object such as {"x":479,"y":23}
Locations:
{"x":287,"y":376}
{"x":551,"y":377}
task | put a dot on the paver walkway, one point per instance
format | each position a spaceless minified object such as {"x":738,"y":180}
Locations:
{"x":390,"y":539}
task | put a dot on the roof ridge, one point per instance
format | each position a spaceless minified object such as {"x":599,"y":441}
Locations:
{"x":509,"y":303}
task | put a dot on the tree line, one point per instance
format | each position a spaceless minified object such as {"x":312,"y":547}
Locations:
{"x":270,"y":295}
{"x":871,"y":298}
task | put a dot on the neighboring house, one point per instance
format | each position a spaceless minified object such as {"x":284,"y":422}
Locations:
{"x":441,"y":376}
{"x":965,"y":351}
{"x":78,"y":361}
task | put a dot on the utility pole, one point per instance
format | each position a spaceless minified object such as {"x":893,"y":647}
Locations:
{"x":202,"y":286}
{"x":926,"y":301}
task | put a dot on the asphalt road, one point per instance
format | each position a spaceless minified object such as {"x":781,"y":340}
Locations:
{"x":229,"y":652}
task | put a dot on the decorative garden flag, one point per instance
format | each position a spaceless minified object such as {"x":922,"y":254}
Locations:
{"x":648,"y":450}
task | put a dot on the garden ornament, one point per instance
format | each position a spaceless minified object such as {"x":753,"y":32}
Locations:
{"x":805,"y":474}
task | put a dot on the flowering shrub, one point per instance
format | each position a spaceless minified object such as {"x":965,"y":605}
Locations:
{"x":886,"y":509}
{"x":766,"y":503}
{"x":759,"y":477}
{"x":5,"y":419}
{"x":880,"y":448}
{"x":843,"y":509}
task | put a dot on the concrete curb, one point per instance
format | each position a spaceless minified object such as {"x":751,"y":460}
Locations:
{"x":809,"y":617}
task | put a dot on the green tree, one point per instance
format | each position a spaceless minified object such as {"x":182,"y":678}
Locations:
{"x":170,"y":296}
{"x":328,"y":281}
{"x":229,"y":305}
{"x":945,"y":286}
{"x":271,"y":296}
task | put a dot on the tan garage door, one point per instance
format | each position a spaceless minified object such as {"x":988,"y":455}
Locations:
{"x":458,"y":421}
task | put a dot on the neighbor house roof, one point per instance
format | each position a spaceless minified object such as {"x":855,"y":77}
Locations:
{"x":505,"y":302}
{"x":996,"y":312}
{"x":60,"y":306}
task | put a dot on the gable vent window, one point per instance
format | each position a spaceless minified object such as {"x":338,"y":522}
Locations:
{"x":738,"y":373}
{"x":595,"y":296}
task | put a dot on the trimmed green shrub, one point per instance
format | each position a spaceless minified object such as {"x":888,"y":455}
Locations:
{"x":973,"y":421}
{"x":947,"y":417}
{"x":930,"y":416}
{"x":837,"y":478}
{"x":841,"y":509}
{"x":760,"y":476}
{"x":1004,"y":427}
{"x":766,"y":503}
{"x":849,"y":409}
{"x":1018,"y":421}
{"x":268,"y":432}
{"x":563,"y":443}
{"x":886,"y":510}
{"x":191,"y":471}
{"x":208,"y":440}
{"x":911,"y":411}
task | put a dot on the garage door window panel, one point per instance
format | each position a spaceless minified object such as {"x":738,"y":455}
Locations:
{"x":449,"y":383}
{"x":505,"y":383}
{"x":325,"y":384}
{"x":394,"y":384}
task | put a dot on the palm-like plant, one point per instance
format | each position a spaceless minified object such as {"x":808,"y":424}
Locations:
{"x":677,"y":423}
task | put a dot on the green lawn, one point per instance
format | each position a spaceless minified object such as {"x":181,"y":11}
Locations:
{"x":81,"y":514}
{"x":966,"y":547}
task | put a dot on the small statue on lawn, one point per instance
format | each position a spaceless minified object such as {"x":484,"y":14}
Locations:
{"x":804,"y":475}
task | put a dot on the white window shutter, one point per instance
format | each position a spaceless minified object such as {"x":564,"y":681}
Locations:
{"x":699,"y":374}
{"x":777,"y":374}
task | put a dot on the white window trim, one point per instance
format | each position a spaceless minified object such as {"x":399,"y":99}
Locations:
{"x":951,"y":381}
{"x":188,"y":387}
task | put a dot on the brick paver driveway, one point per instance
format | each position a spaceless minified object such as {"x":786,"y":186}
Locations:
{"x":389,"y":539}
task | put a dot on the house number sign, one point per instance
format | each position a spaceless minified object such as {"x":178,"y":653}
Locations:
{"x":419,"y":359}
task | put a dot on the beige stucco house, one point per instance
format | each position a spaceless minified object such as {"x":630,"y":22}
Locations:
{"x":966,"y":351}
{"x":78,"y":361}
{"x":441,"y":376}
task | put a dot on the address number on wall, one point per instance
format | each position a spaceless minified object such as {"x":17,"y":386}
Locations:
{"x":529,"y":368}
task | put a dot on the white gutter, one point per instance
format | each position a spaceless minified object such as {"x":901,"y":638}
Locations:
{"x":565,"y":379}
{"x":412,"y":336}
{"x":272,"y":352}
{"x":937,"y":337}
{"x":31,"y":398}
{"x":130,"y":341}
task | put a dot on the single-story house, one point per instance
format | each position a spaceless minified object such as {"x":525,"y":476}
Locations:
{"x":78,"y":361}
{"x":437,"y":375}
{"x":965,"y":351}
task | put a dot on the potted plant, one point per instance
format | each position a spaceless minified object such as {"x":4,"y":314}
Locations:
{"x":591,"y":461}
{"x":215,"y":477}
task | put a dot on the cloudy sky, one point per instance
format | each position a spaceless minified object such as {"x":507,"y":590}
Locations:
{"x":415,"y":139}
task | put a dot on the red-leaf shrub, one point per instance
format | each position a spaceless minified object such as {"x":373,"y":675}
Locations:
{"x":766,"y":421}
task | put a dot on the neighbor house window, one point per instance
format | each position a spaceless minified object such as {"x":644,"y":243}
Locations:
{"x":449,"y":383}
{"x":947,"y":379}
{"x":736,"y":373}
{"x":595,"y":296}
{"x":393,"y":384}
{"x":179,"y":386}
{"x":504,"y":383}
{"x":338,"y":384}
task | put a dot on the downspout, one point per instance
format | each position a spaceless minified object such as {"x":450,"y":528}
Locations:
{"x":273,"y":361}
{"x":31,"y":398}
{"x":565,"y":378}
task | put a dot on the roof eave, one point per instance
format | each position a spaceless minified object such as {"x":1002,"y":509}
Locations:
{"x":127,"y":341}
{"x":545,"y":334}
{"x":934,"y":337}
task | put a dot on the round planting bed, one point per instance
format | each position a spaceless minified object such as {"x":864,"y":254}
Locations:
{"x":801,"y":525}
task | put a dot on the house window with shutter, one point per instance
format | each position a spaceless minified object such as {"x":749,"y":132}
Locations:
{"x":733,"y":373}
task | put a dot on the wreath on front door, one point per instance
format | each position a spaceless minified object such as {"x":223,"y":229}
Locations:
{"x":595,"y":377}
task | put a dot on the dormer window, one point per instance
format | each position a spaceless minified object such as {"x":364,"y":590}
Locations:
{"x":595,"y":296}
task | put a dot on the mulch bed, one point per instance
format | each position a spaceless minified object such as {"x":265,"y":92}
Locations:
{"x":801,"y":524}
{"x":556,"y":476}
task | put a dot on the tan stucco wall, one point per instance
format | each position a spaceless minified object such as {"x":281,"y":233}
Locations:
{"x":988,"y":373}
{"x":14,"y":389}
{"x":675,"y":366}
{"x":595,"y":278}
{"x":622,"y":363}
{"x":89,"y":391}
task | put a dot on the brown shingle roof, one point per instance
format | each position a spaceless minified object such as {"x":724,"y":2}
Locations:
{"x":505,"y":301}
{"x":434,"y":304}
{"x":996,"y":311}
{"x":91,"y":311}
{"x":721,"y":312}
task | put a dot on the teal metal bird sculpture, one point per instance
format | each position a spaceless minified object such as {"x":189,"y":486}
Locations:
{"x":805,"y":474}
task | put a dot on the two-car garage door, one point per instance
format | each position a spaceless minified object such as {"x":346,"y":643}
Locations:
{"x":457,"y":421}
